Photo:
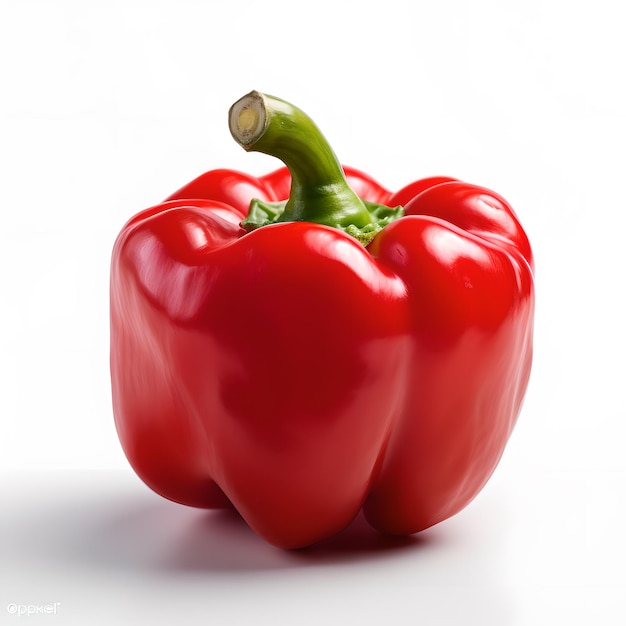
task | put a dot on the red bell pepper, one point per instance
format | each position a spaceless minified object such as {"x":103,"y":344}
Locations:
{"x":335,"y":347}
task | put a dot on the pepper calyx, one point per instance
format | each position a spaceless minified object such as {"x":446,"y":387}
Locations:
{"x":263,"y":213}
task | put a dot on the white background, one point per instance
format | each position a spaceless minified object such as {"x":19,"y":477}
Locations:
{"x":108,"y":107}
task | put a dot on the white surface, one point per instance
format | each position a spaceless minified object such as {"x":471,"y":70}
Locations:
{"x":109,"y":107}
{"x":100,"y":549}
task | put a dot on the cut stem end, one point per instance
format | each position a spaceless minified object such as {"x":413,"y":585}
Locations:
{"x":247,"y":119}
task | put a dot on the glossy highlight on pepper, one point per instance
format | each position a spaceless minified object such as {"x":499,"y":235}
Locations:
{"x":306,"y":344}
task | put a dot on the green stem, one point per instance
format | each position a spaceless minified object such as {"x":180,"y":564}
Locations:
{"x":319,"y":190}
